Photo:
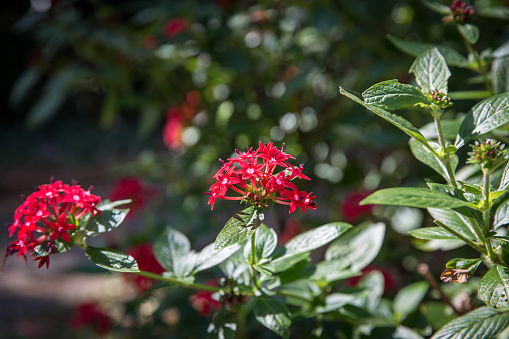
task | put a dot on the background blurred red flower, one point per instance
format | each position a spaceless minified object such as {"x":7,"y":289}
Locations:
{"x":172,"y":130}
{"x":90,"y":315}
{"x":174,"y":27}
{"x":291,"y":228}
{"x":146,"y":262}
{"x":389,"y":281}
{"x":203,"y":302}
{"x":350,"y":208}
{"x":134,"y":189}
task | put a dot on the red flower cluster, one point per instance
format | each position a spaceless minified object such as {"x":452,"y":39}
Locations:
{"x":460,"y":12}
{"x":91,"y":315}
{"x":257,"y":183}
{"x":146,"y":262}
{"x":48,"y":215}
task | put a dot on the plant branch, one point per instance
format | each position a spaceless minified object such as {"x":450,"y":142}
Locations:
{"x":423,"y":269}
{"x":486,"y":214}
{"x":480,"y":65}
{"x":178,"y":282}
{"x":253,"y":261}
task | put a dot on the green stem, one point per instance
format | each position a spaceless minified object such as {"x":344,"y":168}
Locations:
{"x":446,"y":160}
{"x":460,"y":236}
{"x":178,"y":282}
{"x":486,"y":214}
{"x":253,"y":261}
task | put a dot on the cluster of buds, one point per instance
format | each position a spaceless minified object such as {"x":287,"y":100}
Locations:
{"x":252,"y":175}
{"x":489,"y":154}
{"x":231,"y":295}
{"x":439,"y":98}
{"x":460,"y":13}
{"x":48,"y":217}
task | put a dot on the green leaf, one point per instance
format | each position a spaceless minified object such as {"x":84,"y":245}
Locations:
{"x":43,"y":250}
{"x":413,"y":197}
{"x":284,"y":262}
{"x":372,"y":285}
{"x":426,"y":156}
{"x":484,"y":117}
{"x":504,"y":183}
{"x":51,"y":100}
{"x":469,"y":32}
{"x":273,"y":314}
{"x":316,"y":237}
{"x":358,"y":247}
{"x":240,"y":227}
{"x":500,"y":74}
{"x":431,"y":71}
{"x":493,"y":288}
{"x":335,"y":301}
{"x":481,"y":323}
{"x":265,"y":243}
{"x":457,"y":222}
{"x":464,"y":264}
{"x":173,"y":251}
{"x":112,"y":260}
{"x":409,"y":298}
{"x":331,"y":271}
{"x":394,"y":119}
{"x":502,"y":215}
{"x":391,"y":95}
{"x":209,"y":257}
{"x":453,"y":57}
{"x":104,"y":222}
{"x":437,"y":313}
{"x":223,"y":326}
{"x":432,"y":233}
{"x":437,"y":7}
{"x":24,"y":83}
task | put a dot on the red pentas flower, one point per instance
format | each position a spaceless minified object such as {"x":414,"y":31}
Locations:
{"x":47,"y":217}
{"x":254,"y":178}
{"x":460,"y":12}
{"x":203,"y":302}
{"x":146,"y":262}
{"x":90,"y":315}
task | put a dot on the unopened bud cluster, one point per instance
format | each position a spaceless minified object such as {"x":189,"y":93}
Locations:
{"x":439,"y":98}
{"x":461,"y":12}
{"x":487,"y":153}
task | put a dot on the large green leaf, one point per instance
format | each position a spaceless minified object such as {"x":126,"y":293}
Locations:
{"x":502,"y":215}
{"x":481,"y":323}
{"x":284,"y":262}
{"x":240,"y":227}
{"x":273,"y":314}
{"x":415,"y":49}
{"x":413,"y":197}
{"x":173,"y":251}
{"x":358,"y":247}
{"x":316,"y":237}
{"x":391,"y":95}
{"x":431,"y":71}
{"x":457,"y":222}
{"x":209,"y":257}
{"x":504,"y":183}
{"x":493,"y":288}
{"x":112,"y":260}
{"x":335,"y":301}
{"x":223,"y":326}
{"x":432,"y":233}
{"x":51,"y":99}
{"x":484,"y":117}
{"x":394,"y":119}
{"x":500,"y":74}
{"x":409,"y":298}
{"x":469,"y":32}
{"x":265,"y":244}
{"x":426,"y":156}
{"x":108,"y":219}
